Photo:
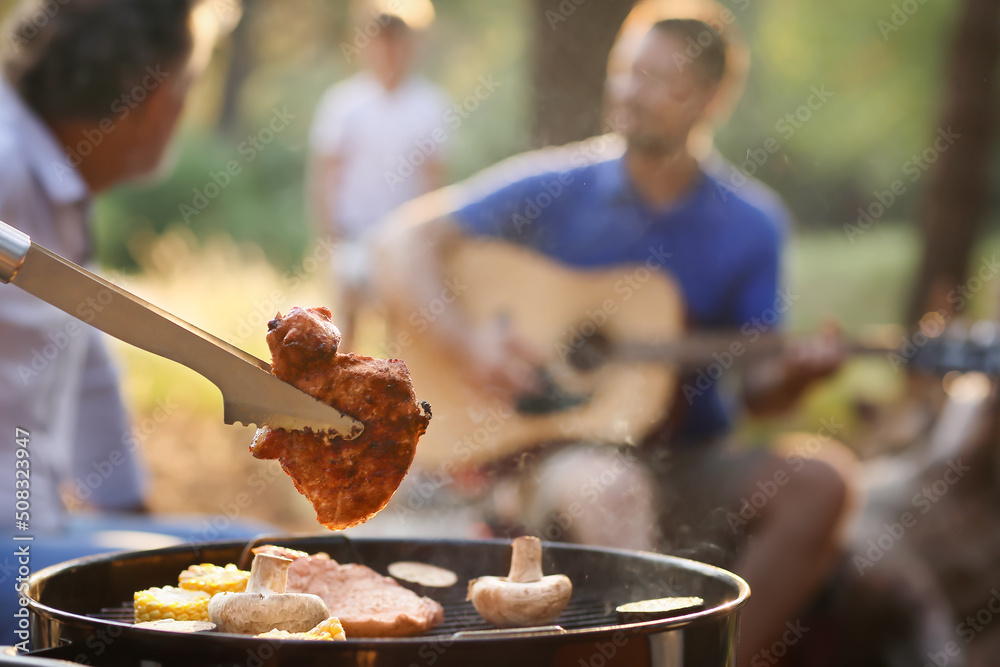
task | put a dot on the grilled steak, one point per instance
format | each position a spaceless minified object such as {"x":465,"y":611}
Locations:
{"x":366,"y":603}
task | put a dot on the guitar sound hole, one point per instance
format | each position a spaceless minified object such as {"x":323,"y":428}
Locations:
{"x":591,"y":354}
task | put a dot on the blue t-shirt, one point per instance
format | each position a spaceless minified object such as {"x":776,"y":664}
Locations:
{"x":722,"y":250}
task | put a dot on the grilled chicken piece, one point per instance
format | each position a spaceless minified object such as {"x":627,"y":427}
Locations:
{"x":347,"y":481}
{"x":367,"y":604}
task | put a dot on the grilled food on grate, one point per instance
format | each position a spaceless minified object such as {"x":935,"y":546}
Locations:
{"x":328,"y":630}
{"x":83,"y":599}
{"x":266,"y":604}
{"x":179,"y":604}
{"x":524,"y":597}
{"x":367,"y":604}
{"x":214,"y":579}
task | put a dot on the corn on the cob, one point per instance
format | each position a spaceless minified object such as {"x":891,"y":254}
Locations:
{"x":214,"y":579}
{"x":179,"y":604}
{"x":328,"y":630}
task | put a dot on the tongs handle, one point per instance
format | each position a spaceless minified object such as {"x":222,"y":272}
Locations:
{"x":14,"y":245}
{"x":250,"y":393}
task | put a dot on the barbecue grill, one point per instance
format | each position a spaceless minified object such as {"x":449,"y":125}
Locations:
{"x":81,"y":611}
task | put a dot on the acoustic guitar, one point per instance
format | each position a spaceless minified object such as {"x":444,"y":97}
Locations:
{"x":562,"y":311}
{"x":615,"y":349}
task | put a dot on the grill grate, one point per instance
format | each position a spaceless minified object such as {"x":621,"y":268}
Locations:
{"x":102,"y":587}
{"x":459,"y":615}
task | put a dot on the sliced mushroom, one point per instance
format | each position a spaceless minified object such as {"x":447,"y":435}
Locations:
{"x":524,"y":597}
{"x":265,"y":605}
{"x":423,"y":574}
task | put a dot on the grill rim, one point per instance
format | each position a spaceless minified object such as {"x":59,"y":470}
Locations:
{"x":716,"y":613}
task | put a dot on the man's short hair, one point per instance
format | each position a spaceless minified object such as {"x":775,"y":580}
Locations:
{"x":706,"y":49}
{"x":393,"y":26}
{"x":72,"y":60}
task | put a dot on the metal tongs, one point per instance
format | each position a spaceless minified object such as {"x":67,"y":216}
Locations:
{"x":250,"y":393}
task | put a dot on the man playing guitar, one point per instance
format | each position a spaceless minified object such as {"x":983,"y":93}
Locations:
{"x":655,"y":205}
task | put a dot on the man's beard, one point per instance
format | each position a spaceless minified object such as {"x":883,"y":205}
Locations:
{"x":652,"y":144}
{"x":640,"y":132}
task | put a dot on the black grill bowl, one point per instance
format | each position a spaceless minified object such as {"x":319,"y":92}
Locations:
{"x":81,"y":610}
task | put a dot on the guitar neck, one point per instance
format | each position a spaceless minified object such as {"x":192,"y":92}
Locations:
{"x":728,"y":348}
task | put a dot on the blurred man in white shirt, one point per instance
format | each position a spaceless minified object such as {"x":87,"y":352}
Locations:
{"x":377,"y":140}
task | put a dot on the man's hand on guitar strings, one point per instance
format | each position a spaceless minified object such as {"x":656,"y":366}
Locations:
{"x":775,"y":385}
{"x":816,"y":357}
{"x":501,"y":362}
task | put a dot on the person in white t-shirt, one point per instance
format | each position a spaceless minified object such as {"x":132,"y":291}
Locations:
{"x":378,"y":140}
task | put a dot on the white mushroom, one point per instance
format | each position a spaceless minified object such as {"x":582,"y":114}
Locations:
{"x":265,"y":605}
{"x":524,"y":597}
